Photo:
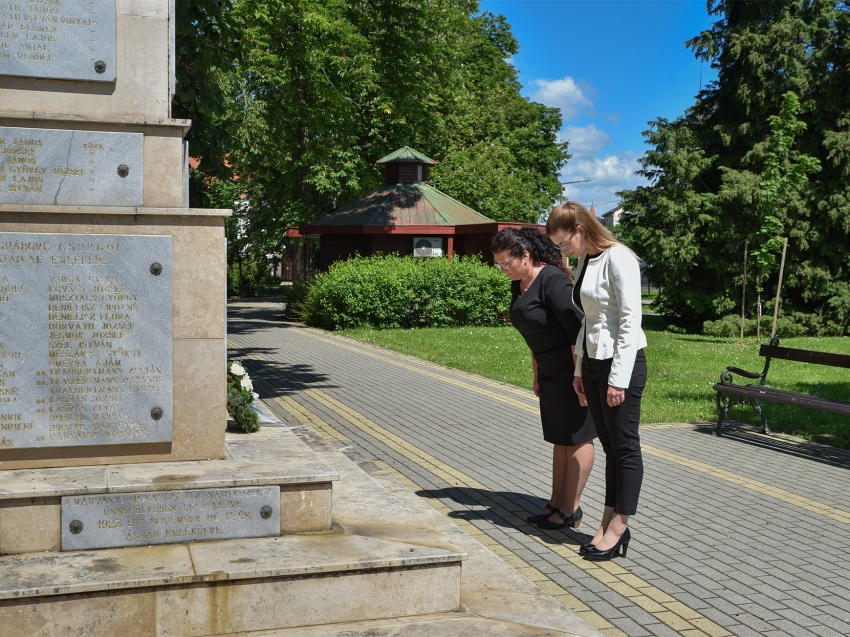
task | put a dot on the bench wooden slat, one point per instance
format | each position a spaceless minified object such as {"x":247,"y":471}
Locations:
{"x":782,"y":397}
{"x":805,"y":356}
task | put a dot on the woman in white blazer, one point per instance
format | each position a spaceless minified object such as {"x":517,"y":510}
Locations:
{"x":610,"y":366}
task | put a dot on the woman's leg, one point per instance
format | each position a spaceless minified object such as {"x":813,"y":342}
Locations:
{"x":559,"y":478}
{"x":623,"y":424}
{"x":579,"y":463}
{"x":571,"y":467}
{"x":594,"y":377}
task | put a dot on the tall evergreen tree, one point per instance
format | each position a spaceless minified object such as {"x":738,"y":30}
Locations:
{"x":708,"y":168}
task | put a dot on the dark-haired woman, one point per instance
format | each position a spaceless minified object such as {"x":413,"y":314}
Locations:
{"x":542,"y":310}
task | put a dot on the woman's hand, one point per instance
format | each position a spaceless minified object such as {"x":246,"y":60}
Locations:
{"x":579,"y":387}
{"x":536,"y":388}
{"x":615,"y":396}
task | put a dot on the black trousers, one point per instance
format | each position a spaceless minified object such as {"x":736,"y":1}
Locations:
{"x":617,"y":428}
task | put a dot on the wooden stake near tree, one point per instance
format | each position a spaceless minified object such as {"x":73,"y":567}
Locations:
{"x":744,"y":291}
{"x":779,"y":289}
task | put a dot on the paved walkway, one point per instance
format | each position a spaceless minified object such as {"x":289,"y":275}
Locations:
{"x":740,"y":535}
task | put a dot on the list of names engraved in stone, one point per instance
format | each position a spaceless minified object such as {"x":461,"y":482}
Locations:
{"x":72,"y":168}
{"x":85,"y":340}
{"x":169,"y":517}
{"x":58,"y":39}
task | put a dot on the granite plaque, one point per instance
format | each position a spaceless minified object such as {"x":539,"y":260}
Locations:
{"x":71,"y":168}
{"x":169,"y":517}
{"x":58,"y":39}
{"x":85,"y":340}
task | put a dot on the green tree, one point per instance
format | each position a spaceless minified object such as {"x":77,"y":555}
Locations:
{"x":207,"y":43}
{"x":735,"y":165}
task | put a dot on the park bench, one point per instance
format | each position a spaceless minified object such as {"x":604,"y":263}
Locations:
{"x":728,"y":393}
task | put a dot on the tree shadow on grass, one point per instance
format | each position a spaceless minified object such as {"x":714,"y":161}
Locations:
{"x":490,"y":506}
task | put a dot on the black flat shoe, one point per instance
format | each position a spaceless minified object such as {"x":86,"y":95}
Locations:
{"x":572,"y":520}
{"x":596,"y":555}
{"x":534,"y":519}
{"x":584,"y":548}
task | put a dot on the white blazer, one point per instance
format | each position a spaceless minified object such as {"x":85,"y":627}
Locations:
{"x":610,"y":297}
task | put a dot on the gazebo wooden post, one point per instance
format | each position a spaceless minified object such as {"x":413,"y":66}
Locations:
{"x":450,"y":248}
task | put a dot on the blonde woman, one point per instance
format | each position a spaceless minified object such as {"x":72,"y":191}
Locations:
{"x":610,"y":367}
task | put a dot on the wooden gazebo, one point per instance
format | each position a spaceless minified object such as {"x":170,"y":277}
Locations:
{"x":403,"y":213}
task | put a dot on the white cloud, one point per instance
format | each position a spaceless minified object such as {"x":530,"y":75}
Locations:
{"x":585,"y":140}
{"x":565,"y":94}
{"x":608,"y":174}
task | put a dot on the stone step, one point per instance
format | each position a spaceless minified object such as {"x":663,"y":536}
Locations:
{"x":444,"y":625}
{"x":30,"y":501}
{"x":211,"y":588}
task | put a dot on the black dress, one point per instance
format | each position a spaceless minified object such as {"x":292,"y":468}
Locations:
{"x":549,"y":322}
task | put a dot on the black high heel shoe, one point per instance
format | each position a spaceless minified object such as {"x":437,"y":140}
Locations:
{"x":596,"y":555}
{"x":584,"y":548}
{"x":572,"y":520}
{"x":534,"y":519}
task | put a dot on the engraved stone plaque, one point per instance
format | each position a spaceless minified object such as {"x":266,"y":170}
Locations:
{"x":85,"y":340}
{"x":169,"y":517}
{"x":71,"y":168}
{"x":58,"y":39}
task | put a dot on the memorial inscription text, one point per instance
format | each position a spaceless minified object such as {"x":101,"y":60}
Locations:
{"x":85,"y":340}
{"x":166,"y":517}
{"x":58,"y":39}
{"x":64,"y":167}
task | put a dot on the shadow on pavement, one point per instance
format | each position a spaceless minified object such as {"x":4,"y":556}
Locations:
{"x":485,"y":509}
{"x":752,"y":436}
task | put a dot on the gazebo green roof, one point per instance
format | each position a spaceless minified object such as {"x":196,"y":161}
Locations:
{"x":407,"y":155}
{"x":397,"y":205}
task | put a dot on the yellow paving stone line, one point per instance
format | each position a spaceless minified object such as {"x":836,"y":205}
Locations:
{"x":306,"y":417}
{"x":394,"y":442}
{"x":602,"y":571}
{"x":541,"y":579}
{"x":440,"y":371}
{"x":803,"y":502}
{"x":672,"y":425}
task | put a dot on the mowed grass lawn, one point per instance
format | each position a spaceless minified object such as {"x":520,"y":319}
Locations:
{"x":682,"y":369}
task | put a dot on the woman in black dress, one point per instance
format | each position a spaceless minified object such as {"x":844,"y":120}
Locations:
{"x":543,"y":311}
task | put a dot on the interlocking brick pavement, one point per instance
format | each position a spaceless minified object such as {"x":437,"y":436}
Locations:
{"x":743,"y":534}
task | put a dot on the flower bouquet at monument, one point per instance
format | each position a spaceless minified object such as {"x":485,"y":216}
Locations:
{"x":240,"y":397}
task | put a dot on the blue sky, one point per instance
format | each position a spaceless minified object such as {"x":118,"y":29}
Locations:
{"x":611,"y":66}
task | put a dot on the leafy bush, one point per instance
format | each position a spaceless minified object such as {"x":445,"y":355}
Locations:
{"x":240,"y":397}
{"x":393,"y":291}
{"x":786,"y":326}
{"x":294,"y":296}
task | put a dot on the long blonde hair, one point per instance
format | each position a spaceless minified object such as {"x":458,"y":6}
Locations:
{"x":566,"y":216}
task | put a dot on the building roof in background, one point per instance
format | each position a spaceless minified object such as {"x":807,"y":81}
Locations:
{"x":406,"y":154}
{"x":394,"y":205}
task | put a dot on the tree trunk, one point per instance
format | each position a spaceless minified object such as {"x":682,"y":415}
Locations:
{"x":299,"y":264}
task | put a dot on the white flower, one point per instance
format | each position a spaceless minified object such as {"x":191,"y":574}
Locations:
{"x":246,"y":384}
{"x":236,"y":369}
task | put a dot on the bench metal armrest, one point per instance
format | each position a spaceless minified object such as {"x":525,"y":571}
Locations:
{"x":726,"y":377}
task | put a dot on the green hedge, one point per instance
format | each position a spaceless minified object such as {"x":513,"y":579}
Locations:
{"x":796,"y":324}
{"x":393,"y":291}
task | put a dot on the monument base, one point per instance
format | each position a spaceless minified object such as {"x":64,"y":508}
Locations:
{"x":390,"y":565}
